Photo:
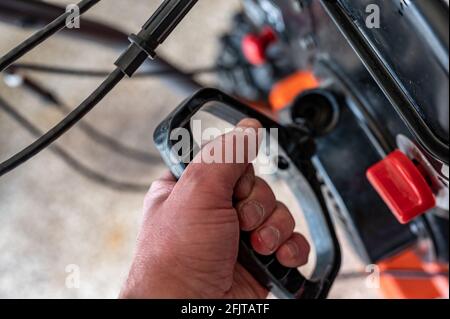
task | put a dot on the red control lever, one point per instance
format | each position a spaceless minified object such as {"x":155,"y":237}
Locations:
{"x":254,"y":46}
{"x":402,"y":186}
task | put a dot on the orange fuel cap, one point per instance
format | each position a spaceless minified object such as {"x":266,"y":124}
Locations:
{"x":402,"y":186}
{"x":286,"y":90}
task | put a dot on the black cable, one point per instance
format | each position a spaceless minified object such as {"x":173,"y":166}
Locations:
{"x":96,"y":135}
{"x":97,"y":177}
{"x":143,"y":45}
{"x":73,"y":118}
{"x":40,"y":36}
{"x":102,"y":73}
{"x":111,"y":143}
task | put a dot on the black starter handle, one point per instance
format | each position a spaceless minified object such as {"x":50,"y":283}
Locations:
{"x":283,"y":282}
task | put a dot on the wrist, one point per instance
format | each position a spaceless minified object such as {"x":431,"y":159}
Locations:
{"x":147,"y":282}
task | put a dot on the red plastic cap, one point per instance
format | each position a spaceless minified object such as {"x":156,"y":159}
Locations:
{"x":254,"y":46}
{"x":402,"y":186}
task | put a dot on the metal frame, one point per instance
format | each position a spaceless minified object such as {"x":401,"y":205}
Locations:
{"x":387,"y":81}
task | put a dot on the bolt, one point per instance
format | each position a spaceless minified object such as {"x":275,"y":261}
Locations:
{"x":308,"y":42}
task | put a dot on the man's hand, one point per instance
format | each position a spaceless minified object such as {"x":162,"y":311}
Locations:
{"x":188,"y":245}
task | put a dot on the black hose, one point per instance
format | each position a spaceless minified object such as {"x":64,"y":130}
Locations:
{"x":79,"y":167}
{"x":91,"y":131}
{"x":73,"y":118}
{"x":40,"y":36}
{"x":48,"y":69}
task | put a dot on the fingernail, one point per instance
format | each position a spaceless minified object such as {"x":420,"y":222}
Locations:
{"x":247,"y":184}
{"x":249,"y":126}
{"x":252,"y":214}
{"x":292,"y":249}
{"x":249,"y":123}
{"x":270,"y":237}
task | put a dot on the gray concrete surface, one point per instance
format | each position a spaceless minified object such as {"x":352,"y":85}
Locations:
{"x":50,"y":217}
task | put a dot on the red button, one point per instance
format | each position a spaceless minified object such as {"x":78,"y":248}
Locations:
{"x":402,"y":186}
{"x":254,"y":46}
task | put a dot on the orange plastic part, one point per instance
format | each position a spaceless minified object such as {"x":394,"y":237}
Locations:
{"x":286,"y":90}
{"x":414,"y":286}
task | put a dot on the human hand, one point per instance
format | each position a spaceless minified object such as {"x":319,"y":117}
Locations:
{"x":189,"y":240}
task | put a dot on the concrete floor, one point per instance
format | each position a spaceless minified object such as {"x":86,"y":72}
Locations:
{"x":50,"y":217}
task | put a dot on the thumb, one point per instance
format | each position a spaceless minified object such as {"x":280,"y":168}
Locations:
{"x":159,"y":191}
{"x":222,"y":162}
